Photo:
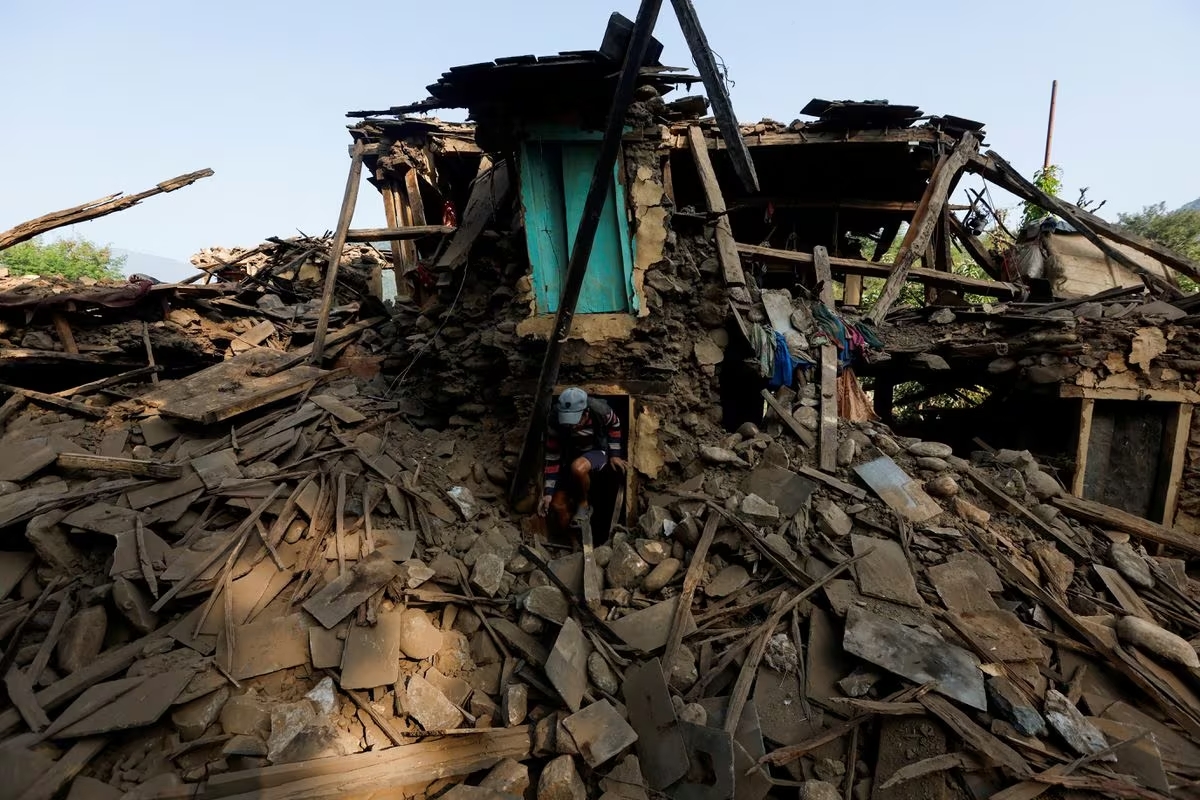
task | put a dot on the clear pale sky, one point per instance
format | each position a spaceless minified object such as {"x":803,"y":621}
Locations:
{"x":113,"y":96}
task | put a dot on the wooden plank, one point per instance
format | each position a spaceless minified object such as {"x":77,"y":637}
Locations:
{"x":41,"y":398}
{"x":138,"y":707}
{"x":827,"y":455}
{"x":1139,"y":394}
{"x":398,"y":234}
{"x":20,"y":692}
{"x":923,"y":222}
{"x":149,"y":350}
{"x":124,"y":466}
{"x":65,"y":769}
{"x":1125,"y":595}
{"x":976,"y":737}
{"x":691,"y":580}
{"x":727,"y":254}
{"x":1086,"y":410}
{"x":374,"y":772}
{"x":1114,"y":518}
{"x":832,"y":482}
{"x":337,"y":408}
{"x":1173,"y":460}
{"x":802,"y":433}
{"x":489,"y":191}
{"x":337,"y":600}
{"x":679,"y":140}
{"x":27,"y":462}
{"x":718,"y":95}
{"x":335,"y":249}
{"x":192,"y":397}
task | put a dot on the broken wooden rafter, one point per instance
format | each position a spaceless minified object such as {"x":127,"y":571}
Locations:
{"x":991,"y":166}
{"x":397,"y":234}
{"x":96,"y":208}
{"x":727,"y":253}
{"x":924,"y":221}
{"x":854,"y":266}
{"x":786,"y":138}
{"x":975,"y":248}
{"x":353,"y":179}
{"x":718,"y":93}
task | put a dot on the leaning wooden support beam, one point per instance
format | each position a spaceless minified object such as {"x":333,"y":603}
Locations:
{"x":974,"y":248}
{"x":853,"y":266}
{"x":827,"y":453}
{"x":335,"y":251}
{"x":1001,"y":173}
{"x":727,"y":254}
{"x":397,"y":234}
{"x":96,"y":208}
{"x":923,"y":222}
{"x":44,"y":399}
{"x":581,"y":251}
{"x":718,"y":94}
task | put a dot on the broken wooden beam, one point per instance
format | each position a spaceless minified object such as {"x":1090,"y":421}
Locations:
{"x":827,"y":454}
{"x":974,"y":248}
{"x":399,"y":234}
{"x":854,"y":266}
{"x":96,"y":208}
{"x":335,"y":252}
{"x":1114,"y":518}
{"x":41,"y":398}
{"x":802,"y":433}
{"x":718,"y":94}
{"x":727,"y":254}
{"x":125,"y":466}
{"x":923,"y":222}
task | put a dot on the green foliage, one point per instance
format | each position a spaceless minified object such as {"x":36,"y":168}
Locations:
{"x":1178,"y":230}
{"x":1049,"y":180}
{"x":67,"y":258}
{"x":914,"y":402}
{"x":913,"y":294}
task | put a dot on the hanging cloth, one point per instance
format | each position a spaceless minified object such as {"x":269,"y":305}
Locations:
{"x":781,"y":374}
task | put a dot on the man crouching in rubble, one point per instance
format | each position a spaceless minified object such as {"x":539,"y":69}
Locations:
{"x":585,"y":433}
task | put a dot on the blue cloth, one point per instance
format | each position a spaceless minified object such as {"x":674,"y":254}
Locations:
{"x":781,"y":375}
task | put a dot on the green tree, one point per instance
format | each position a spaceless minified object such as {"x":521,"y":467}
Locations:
{"x":67,"y":258}
{"x":1049,"y":180}
{"x":1177,"y":230}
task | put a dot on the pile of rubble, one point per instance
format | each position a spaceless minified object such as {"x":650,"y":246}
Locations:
{"x":264,"y":579}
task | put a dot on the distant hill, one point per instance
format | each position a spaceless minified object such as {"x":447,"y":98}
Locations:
{"x":1192,"y":206}
{"x":167,"y":270}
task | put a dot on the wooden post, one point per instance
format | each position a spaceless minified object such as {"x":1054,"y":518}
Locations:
{"x":393,"y":221}
{"x":827,"y":454}
{"x":731,"y":263}
{"x":1086,"y":410}
{"x":923,"y":222}
{"x":65,"y":334}
{"x":581,"y":252}
{"x":1050,"y":124}
{"x":718,"y":95}
{"x":1173,"y":458}
{"x":335,"y":252}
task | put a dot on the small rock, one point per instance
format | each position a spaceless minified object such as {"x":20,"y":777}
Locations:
{"x":507,"y":777}
{"x":1159,"y":641}
{"x":82,"y":639}
{"x":1045,"y":513}
{"x":727,"y":581}
{"x":194,"y":718}
{"x":651,"y":523}
{"x":142,"y":452}
{"x":243,"y":745}
{"x":830,"y":770}
{"x":1041,"y":485}
{"x":971,"y":512}
{"x":626,"y":568}
{"x":602,"y":555}
{"x":428,"y":706}
{"x":720,"y":455}
{"x":134,"y":605}
{"x":759,"y":509}
{"x":942,"y":486}
{"x":548,"y":603}
{"x":1057,"y":569}
{"x":887,"y":445}
{"x":931,"y":361}
{"x":454,"y":656}
{"x":1012,"y":483}
{"x":819,"y":790}
{"x":653,"y":551}
{"x":661,"y":575}
{"x":781,"y":654}
{"x":488,"y":574}
{"x":601,"y":674}
{"x":684,"y":671}
{"x":943,"y":316}
{"x":246,"y":714}
{"x":1080,"y":735}
{"x":1008,"y":702}
{"x":846,"y":451}
{"x":693,"y":713}
{"x":931,"y":450}
{"x":534,"y":626}
{"x":932,"y":464}
{"x":414,"y":573}
{"x":516,"y":704}
{"x":859,"y":682}
{"x":1131,"y":565}
{"x":1015,"y":458}
{"x":560,"y":781}
{"x":419,"y":638}
{"x":807,"y":416}
{"x":831,"y":519}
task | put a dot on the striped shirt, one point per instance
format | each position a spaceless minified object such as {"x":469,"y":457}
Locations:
{"x":578,"y":440}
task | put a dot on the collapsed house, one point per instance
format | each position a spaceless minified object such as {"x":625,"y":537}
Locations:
{"x":259,"y":540}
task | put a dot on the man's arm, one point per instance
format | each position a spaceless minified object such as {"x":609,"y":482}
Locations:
{"x":616,"y":436}
{"x":553,"y":463}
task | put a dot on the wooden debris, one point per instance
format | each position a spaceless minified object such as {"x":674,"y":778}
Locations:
{"x":340,"y":597}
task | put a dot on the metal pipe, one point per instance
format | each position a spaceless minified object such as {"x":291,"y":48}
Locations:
{"x":1050,"y":125}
